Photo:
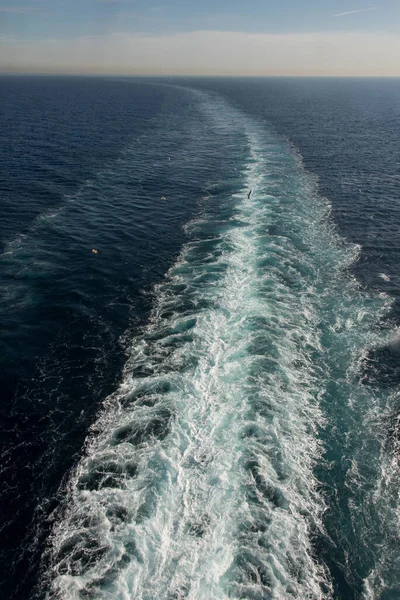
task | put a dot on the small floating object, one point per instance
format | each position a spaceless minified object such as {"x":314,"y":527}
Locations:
{"x":384,"y":276}
{"x":163,"y":198}
{"x":95,"y":251}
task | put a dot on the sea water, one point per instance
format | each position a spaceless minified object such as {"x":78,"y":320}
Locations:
{"x":248,"y":448}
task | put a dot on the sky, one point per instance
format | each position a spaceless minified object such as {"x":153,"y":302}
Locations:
{"x":211,"y":37}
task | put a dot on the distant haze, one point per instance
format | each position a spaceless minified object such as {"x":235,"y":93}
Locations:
{"x":207,"y":52}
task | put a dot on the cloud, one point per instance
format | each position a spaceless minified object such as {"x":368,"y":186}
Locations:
{"x":354,"y":12}
{"x":207,"y":53}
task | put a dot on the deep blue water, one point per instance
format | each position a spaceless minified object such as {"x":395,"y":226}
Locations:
{"x":207,"y":406}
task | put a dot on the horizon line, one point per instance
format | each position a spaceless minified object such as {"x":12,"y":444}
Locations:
{"x":163,"y":75}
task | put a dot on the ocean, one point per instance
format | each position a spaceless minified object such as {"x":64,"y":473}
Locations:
{"x":199,"y":349}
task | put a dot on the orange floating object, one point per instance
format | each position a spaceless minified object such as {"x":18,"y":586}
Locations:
{"x":95,"y":251}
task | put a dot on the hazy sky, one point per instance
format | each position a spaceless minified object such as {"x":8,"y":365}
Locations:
{"x":227,"y":37}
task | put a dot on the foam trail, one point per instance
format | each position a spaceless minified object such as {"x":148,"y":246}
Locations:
{"x":198,"y":482}
{"x":383,"y":500}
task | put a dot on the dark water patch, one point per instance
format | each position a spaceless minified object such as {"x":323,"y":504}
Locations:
{"x":391,"y":594}
{"x":149,"y":392}
{"x":147,"y":508}
{"x":200,"y":527}
{"x":80,"y":553}
{"x":110,"y":575}
{"x":181,"y":327}
{"x":118,"y":514}
{"x":106,"y":474}
{"x":180,"y":594}
{"x":250,"y":578}
{"x":155,"y":427}
{"x":262,"y":345}
{"x":259,"y":489}
{"x":266,"y":446}
{"x":252,"y":570}
{"x":176,"y":341}
{"x":263,"y":365}
{"x":335,"y":560}
{"x":381,"y":366}
{"x":133,"y":551}
{"x":85,"y":520}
